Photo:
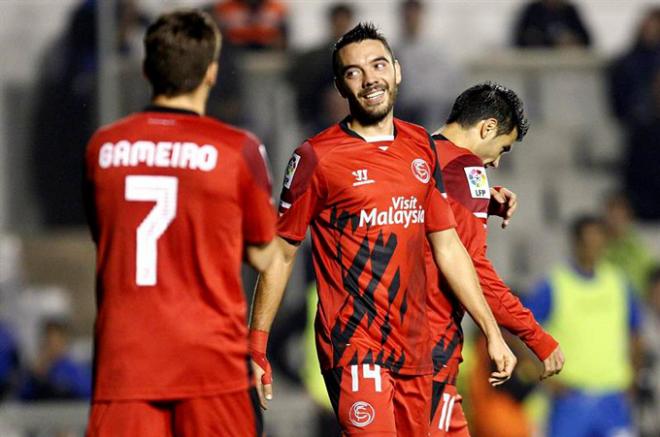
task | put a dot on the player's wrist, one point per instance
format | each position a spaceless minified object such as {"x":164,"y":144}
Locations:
{"x":258,"y":341}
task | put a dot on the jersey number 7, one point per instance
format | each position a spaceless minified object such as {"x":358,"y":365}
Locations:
{"x":162,"y":190}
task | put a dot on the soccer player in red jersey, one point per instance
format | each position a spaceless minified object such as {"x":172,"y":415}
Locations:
{"x":368,"y":187}
{"x":483,"y":124}
{"x":176,"y":200}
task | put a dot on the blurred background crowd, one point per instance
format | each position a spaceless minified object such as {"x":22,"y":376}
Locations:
{"x":587,"y":175}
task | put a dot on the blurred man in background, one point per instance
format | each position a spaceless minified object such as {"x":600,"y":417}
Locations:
{"x":428,"y":62}
{"x":588,"y":305}
{"x":551,"y":24}
{"x":253,"y":24}
{"x":484,"y":122}
{"x":56,"y":375}
{"x":366,"y":187}
{"x":632,"y":75}
{"x":317,"y":102}
{"x":625,"y":248}
{"x":9,"y":360}
{"x":175,"y":201}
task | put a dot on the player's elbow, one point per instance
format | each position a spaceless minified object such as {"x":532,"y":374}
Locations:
{"x":262,"y":256}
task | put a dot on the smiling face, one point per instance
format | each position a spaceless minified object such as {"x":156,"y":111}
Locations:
{"x":369,"y":78}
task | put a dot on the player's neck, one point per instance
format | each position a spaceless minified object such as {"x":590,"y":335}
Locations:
{"x":383,"y":127}
{"x":194,"y":101}
{"x":458,"y":136}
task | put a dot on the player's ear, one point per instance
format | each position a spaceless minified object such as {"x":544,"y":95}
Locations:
{"x":397,"y":72}
{"x":488,"y":128}
{"x":211,"y":75}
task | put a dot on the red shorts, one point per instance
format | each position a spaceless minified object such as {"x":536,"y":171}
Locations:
{"x":234,"y":414}
{"x":372,"y":401}
{"x":448,"y":418}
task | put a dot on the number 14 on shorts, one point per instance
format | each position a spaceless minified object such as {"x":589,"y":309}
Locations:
{"x":368,"y":372}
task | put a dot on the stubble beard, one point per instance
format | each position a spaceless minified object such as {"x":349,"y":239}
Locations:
{"x":367,"y":117}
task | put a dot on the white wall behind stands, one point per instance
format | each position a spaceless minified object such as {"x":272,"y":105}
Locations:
{"x":463,"y":28}
{"x":467,"y":26}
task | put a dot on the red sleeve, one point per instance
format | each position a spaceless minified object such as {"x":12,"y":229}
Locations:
{"x":302,"y":194}
{"x":509,"y":311}
{"x":258,"y":212}
{"x":439,"y":216}
{"x":466,"y":182}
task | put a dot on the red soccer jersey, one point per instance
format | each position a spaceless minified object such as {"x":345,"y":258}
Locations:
{"x":368,"y":206}
{"x":173,"y":197}
{"x":468,"y":194}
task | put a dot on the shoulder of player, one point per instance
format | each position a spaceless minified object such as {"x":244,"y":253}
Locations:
{"x":411,"y":129}
{"x":327,"y":141}
{"x":452,"y":156}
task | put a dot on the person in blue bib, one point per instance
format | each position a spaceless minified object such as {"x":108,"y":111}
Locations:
{"x":588,"y":305}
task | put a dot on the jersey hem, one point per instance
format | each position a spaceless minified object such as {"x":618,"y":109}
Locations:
{"x":171,"y":394}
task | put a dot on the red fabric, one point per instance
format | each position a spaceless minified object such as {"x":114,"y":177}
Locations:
{"x":257,"y":344}
{"x":360,"y":198}
{"x":185,"y":333}
{"x":445,"y":311}
{"x":372,"y":401}
{"x":242,"y":25}
{"x":449,"y":419}
{"x":235,"y":414}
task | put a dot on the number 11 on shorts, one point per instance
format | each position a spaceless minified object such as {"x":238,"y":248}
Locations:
{"x":367,"y":373}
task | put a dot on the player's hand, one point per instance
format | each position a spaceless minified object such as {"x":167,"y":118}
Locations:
{"x":503,"y":203}
{"x":505,"y":361}
{"x":263,"y":380}
{"x":263,"y":375}
{"x":553,"y":364}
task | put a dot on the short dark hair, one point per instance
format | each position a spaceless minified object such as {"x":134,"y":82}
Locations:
{"x":179,"y":47}
{"x":580,"y":223}
{"x":361,"y":32}
{"x":490,"y":100}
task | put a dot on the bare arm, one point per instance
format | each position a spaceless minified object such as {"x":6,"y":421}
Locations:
{"x":456,"y":266}
{"x":268,"y":295}
{"x":260,"y":257}
{"x":271,"y":285}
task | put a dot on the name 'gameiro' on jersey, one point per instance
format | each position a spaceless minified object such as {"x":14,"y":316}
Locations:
{"x":166,"y":154}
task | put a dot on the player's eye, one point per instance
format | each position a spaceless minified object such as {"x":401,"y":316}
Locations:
{"x":380,"y":65}
{"x":506,"y":149}
{"x":351,"y":73}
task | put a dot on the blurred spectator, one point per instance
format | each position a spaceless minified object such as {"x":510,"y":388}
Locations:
{"x":56,"y":375}
{"x":649,"y":379}
{"x":625,"y":249}
{"x":642,"y":178}
{"x":551,"y":24}
{"x":432,"y":79}
{"x":252,"y":24}
{"x":317,"y":101}
{"x":8,"y":361}
{"x":589,"y":308}
{"x":632,"y":75}
{"x":66,"y":113}
{"x":498,"y":411}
